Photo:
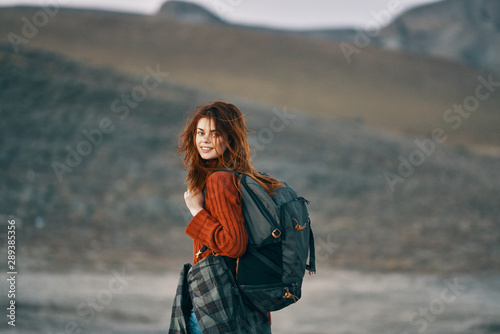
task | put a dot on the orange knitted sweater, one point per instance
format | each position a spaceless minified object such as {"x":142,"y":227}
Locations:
{"x":220,"y":225}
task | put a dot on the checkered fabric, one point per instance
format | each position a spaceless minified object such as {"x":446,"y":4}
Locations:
{"x":182,"y":306}
{"x":216,"y":300}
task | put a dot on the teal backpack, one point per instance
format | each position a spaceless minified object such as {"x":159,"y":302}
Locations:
{"x":280,"y":239}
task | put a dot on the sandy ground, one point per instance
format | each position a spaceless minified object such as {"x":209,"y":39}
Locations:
{"x":332,"y":302}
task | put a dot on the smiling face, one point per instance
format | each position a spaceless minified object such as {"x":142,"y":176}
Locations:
{"x":209,"y":142}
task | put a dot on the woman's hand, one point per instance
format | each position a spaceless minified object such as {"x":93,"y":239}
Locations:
{"x":194,"y":203}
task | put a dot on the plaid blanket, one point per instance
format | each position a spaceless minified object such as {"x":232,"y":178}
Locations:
{"x":210,"y":289}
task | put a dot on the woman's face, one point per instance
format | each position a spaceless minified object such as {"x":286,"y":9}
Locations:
{"x":209,"y":142}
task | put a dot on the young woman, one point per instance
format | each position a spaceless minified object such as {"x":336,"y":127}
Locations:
{"x":215,"y":138}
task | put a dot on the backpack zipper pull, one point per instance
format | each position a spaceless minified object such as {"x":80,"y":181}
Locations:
{"x":290,"y":295}
{"x":304,"y":200}
{"x":297,"y":225}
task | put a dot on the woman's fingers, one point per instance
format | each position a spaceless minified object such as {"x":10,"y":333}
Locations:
{"x":194,"y":203}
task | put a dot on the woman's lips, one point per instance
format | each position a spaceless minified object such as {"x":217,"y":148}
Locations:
{"x":206,"y":149}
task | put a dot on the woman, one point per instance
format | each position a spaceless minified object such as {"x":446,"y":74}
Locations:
{"x":216,"y":138}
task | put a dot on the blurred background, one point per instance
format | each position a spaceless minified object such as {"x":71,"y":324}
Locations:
{"x":385,"y":115}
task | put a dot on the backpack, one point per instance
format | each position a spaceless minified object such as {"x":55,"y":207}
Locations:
{"x":270,"y":273}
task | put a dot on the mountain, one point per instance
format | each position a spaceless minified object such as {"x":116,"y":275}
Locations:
{"x":462,"y":30}
{"x":390,"y":90}
{"x":188,"y":12}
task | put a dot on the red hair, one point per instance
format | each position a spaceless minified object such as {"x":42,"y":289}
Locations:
{"x":230,"y":124}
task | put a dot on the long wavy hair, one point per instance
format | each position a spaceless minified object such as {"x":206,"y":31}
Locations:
{"x":230,"y":125}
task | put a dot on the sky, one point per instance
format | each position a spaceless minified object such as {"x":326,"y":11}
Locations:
{"x":288,"y":14}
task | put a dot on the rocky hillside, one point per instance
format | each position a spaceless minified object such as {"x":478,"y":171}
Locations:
{"x":88,"y":169}
{"x":462,"y":30}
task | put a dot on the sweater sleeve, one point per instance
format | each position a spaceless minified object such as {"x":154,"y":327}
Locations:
{"x":220,"y":226}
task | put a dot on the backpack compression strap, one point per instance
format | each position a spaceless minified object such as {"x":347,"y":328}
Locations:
{"x":311,"y":267}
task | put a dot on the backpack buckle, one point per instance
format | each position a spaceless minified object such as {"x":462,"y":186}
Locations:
{"x":201,"y":251}
{"x":276,"y":233}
